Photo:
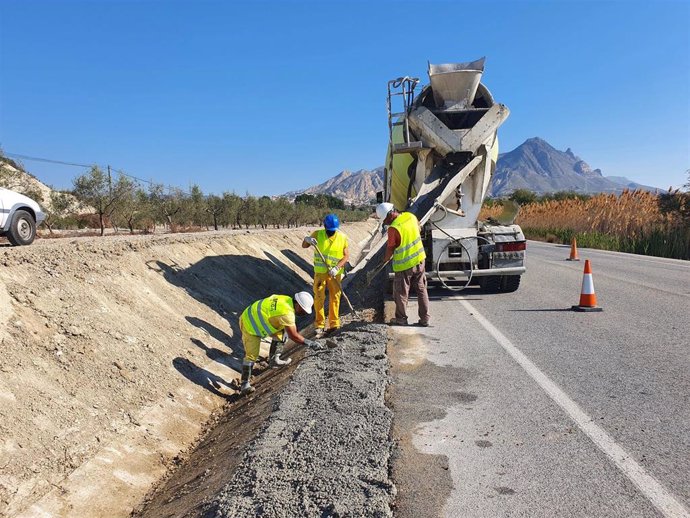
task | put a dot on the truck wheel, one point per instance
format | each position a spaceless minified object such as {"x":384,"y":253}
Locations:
{"x":22,"y":229}
{"x":492,"y":284}
{"x":510,"y":283}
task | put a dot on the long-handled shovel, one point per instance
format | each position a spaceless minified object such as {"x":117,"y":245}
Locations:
{"x":372,"y":275}
{"x":347,"y":299}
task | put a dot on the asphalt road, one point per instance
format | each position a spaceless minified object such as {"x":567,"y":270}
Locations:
{"x":535,"y":410}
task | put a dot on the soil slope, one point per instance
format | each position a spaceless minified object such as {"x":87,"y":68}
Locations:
{"x":116,"y":351}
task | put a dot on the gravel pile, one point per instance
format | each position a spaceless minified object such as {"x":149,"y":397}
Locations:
{"x":325,"y":451}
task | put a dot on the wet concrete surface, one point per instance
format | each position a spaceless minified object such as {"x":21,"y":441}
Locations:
{"x":197,"y":476}
{"x":325,"y":449}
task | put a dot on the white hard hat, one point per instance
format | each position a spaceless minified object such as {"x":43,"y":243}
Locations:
{"x":305,"y":300}
{"x":382,"y":210}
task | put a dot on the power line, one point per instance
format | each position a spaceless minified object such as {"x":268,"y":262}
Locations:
{"x":61,"y":162}
{"x":50,"y":161}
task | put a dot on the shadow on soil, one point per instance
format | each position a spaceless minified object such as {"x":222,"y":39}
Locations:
{"x":212,"y":330}
{"x":234,"y":344}
{"x":228,"y":284}
{"x":298,"y":261}
{"x":234,"y":360}
{"x":201,"y":377}
{"x":207,"y":468}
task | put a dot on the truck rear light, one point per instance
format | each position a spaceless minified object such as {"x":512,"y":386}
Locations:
{"x":512,"y":246}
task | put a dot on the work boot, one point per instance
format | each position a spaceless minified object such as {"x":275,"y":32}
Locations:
{"x":398,"y":322}
{"x":319,"y":332}
{"x":274,"y":353}
{"x":246,"y":387}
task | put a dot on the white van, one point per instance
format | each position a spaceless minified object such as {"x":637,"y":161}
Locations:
{"x":19,"y":217}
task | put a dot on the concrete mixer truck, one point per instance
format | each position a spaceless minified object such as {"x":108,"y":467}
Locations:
{"x":441,"y":155}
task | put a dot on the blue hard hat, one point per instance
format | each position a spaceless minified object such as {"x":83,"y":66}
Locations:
{"x":331,"y":222}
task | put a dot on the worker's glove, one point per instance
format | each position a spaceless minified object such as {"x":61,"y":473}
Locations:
{"x":333,"y":272}
{"x":311,"y":240}
{"x":313,"y":344}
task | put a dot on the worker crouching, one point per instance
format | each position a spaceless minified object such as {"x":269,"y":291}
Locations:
{"x":406,"y":250}
{"x":273,"y":316}
{"x":331,"y":253}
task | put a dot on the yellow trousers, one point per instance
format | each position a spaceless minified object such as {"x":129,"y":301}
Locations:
{"x":321,"y":282}
{"x":252,"y":343}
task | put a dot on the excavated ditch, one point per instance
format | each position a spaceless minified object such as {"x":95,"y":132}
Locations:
{"x":313,"y":440}
{"x":319,"y":447}
{"x":197,"y":476}
{"x":116,"y":352}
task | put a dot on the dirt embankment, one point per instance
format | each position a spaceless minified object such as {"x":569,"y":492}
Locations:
{"x":115,"y":352}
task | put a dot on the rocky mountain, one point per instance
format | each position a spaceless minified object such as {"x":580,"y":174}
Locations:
{"x":533,"y":165}
{"x":358,"y":188}
{"x":539,"y":167}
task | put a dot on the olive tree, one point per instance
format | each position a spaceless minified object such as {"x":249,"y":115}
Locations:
{"x":97,"y":189}
{"x":215,"y":207}
{"x":60,"y":203}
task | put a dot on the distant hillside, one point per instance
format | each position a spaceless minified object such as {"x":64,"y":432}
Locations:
{"x":629,"y":184}
{"x":534,"y":165}
{"x":358,"y":188}
{"x":14,"y":177}
{"x":539,"y":167}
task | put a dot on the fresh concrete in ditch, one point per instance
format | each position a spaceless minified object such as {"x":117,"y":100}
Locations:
{"x":325,"y":450}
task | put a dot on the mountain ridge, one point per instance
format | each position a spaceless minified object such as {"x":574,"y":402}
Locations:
{"x":534,"y":165}
{"x":539,"y":167}
{"x":354,"y":187}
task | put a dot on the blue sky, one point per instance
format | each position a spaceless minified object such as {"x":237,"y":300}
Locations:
{"x":268,"y":97}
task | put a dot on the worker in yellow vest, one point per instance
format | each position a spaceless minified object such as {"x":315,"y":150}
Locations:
{"x":333,"y":245}
{"x":406,"y":250}
{"x":273,"y":316}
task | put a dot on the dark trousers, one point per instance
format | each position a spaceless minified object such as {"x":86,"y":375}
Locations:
{"x":414,"y":277}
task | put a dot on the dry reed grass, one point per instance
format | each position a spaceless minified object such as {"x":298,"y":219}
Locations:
{"x":631,"y":222}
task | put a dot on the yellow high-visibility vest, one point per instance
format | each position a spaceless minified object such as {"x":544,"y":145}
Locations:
{"x":333,"y":250}
{"x":411,"y":252}
{"x":255,"y":318}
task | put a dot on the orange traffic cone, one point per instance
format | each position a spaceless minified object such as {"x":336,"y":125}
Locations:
{"x":588,"y":299}
{"x":573,"y":251}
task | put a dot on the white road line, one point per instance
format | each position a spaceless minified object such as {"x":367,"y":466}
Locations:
{"x":650,"y":488}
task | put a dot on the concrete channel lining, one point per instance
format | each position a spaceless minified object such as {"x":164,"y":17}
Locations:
{"x":325,"y":450}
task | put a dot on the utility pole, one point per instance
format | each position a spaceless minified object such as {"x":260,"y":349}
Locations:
{"x":110,"y":183}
